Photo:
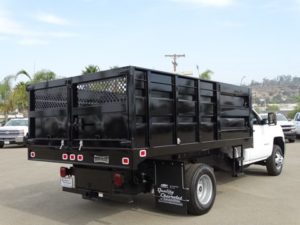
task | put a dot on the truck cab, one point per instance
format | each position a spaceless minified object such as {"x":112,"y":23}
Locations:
{"x":265,"y":135}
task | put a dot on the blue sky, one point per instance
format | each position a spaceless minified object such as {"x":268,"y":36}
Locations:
{"x":233,"y":38}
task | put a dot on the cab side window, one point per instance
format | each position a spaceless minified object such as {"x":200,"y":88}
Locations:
{"x":254,"y":119}
{"x":297,"y":117}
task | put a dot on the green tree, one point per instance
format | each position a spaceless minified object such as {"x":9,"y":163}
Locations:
{"x":206,"y":75}
{"x":272,"y":108}
{"x":6,"y":104}
{"x":291,"y":114}
{"x":90,"y":69}
{"x":39,"y":76}
{"x":20,"y":97}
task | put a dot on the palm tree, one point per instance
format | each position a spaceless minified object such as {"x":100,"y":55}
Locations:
{"x":6,"y":104}
{"x":90,"y":69}
{"x":206,"y":75}
{"x":39,"y":76}
{"x":20,"y":97}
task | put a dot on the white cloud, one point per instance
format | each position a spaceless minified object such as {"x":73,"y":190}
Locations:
{"x":32,"y":41}
{"x":3,"y":38}
{"x":51,"y":19}
{"x":62,"y":34}
{"x":10,"y":27}
{"x":214,"y":3}
{"x":230,"y":24}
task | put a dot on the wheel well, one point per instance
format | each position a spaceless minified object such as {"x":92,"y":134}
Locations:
{"x":280,"y":142}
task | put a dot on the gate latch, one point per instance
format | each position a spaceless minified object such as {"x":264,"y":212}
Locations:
{"x":80,"y":144}
{"x":62,"y":143}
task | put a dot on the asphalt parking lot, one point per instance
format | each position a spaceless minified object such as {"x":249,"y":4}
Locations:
{"x":30,"y":194}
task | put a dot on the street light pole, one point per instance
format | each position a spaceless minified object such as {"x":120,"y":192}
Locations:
{"x":242,"y":80}
{"x":174,"y":62}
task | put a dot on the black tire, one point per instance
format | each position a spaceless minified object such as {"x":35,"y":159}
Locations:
{"x":275,"y":161}
{"x":1,"y":144}
{"x":291,"y":140}
{"x":201,"y":181}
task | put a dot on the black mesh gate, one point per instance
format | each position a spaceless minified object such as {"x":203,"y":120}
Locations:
{"x":93,"y":111}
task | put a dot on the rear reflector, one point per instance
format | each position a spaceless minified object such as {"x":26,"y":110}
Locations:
{"x":143,"y":153}
{"x":72,"y":157}
{"x":64,"y":171}
{"x":64,"y":156}
{"x":118,"y":180}
{"x":125,"y":161}
{"x":80,"y":158}
{"x":32,"y":154}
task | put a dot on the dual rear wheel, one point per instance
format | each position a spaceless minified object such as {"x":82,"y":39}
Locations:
{"x":201,"y":181}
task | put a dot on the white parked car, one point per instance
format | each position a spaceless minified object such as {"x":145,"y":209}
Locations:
{"x":297,"y":123}
{"x":15,"y":131}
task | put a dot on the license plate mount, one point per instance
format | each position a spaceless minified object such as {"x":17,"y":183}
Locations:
{"x":67,"y":181}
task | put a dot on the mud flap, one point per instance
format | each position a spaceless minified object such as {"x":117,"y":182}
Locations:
{"x":169,"y":190}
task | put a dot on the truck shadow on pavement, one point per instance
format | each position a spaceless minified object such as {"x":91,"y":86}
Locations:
{"x":46,"y":200}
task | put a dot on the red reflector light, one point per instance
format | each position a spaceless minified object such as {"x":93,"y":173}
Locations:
{"x":32,"y":154}
{"x":80,"y":158}
{"x":118,"y":180}
{"x":63,"y":171}
{"x":143,"y":153}
{"x":72,"y":157}
{"x":125,"y":161}
{"x":64,"y":156}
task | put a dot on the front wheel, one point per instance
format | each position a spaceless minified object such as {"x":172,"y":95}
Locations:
{"x":201,"y":181}
{"x":291,"y":140}
{"x":275,"y":161}
{"x":1,"y":144}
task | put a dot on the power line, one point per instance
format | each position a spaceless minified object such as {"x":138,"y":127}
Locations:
{"x":174,"y":62}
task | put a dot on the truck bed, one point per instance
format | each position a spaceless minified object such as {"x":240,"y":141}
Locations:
{"x":111,"y":115}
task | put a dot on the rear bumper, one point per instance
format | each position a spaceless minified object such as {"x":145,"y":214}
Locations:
{"x":291,"y":135}
{"x":96,"y":182}
{"x":13,"y":140}
{"x":89,"y":157}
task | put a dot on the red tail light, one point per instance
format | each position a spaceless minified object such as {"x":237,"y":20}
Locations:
{"x":65,"y":156}
{"x":32,"y":154}
{"x":143,"y":153}
{"x":118,"y":180}
{"x":125,"y":161}
{"x":80,"y":158}
{"x":72,"y":157}
{"x":64,"y":171}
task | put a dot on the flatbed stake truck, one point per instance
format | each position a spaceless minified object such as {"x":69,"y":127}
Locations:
{"x":131,"y":130}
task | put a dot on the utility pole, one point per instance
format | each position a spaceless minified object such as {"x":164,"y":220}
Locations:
{"x":174,"y":62}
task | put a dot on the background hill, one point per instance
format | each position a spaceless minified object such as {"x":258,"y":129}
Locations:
{"x":283,"y":89}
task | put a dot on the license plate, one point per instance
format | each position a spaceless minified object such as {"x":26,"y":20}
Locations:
{"x":67,"y":182}
{"x":6,"y":142}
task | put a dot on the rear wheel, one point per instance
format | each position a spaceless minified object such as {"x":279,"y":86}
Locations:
{"x":275,"y":161}
{"x":1,"y":144}
{"x":291,"y":140}
{"x":201,"y":181}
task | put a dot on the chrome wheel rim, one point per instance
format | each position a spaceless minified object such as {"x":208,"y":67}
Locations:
{"x":278,"y":160}
{"x":204,"y":189}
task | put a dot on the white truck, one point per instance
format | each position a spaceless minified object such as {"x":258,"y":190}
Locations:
{"x":268,"y":144}
{"x":15,"y":131}
{"x":134,"y":130}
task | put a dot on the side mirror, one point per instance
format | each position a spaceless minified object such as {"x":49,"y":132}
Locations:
{"x":272,"y":119}
{"x":264,"y":121}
